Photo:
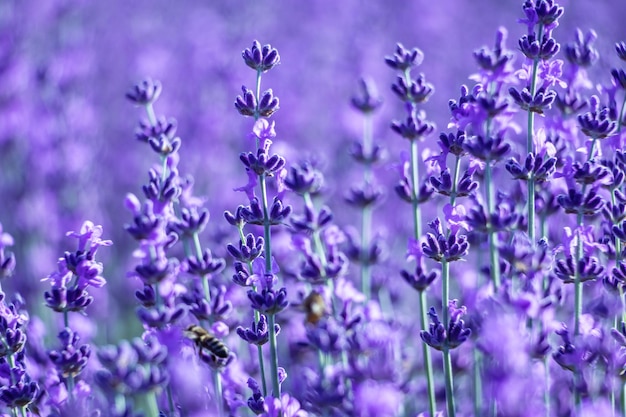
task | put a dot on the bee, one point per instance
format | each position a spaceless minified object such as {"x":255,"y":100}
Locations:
{"x":204,"y":339}
{"x":314,"y":307}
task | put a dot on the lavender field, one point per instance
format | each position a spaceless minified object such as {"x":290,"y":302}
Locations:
{"x":323,"y":208}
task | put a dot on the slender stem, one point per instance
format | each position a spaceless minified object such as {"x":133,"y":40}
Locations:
{"x":151,"y":116}
{"x":455,"y":180}
{"x":546,"y":393}
{"x":417,"y":234}
{"x":530,"y":147}
{"x":217,"y":377}
{"x":219,"y":397}
{"x":623,"y":399}
{"x":493,"y":236}
{"x":621,"y":117}
{"x":273,"y":351}
{"x":267,"y":234}
{"x":257,"y":317}
{"x":366,"y":270}
{"x":428,"y":362}
{"x":578,"y":288}
{"x":366,"y":213}
{"x":417,"y":215}
{"x":447,"y":363}
{"x":447,"y":369}
{"x":478,"y":383}
{"x":153,"y":407}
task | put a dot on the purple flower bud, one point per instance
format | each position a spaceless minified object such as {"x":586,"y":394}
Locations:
{"x":19,"y":394}
{"x":71,"y":359}
{"x":534,"y":49}
{"x":404,"y":59}
{"x":145,"y":92}
{"x":597,"y":123}
{"x":588,"y":268}
{"x":575,"y":202}
{"x":541,"y":101}
{"x":487,"y":149}
{"x":261,"y":58}
{"x":620,"y":48}
{"x":269,"y":301}
{"x":304,"y":178}
{"x":415,"y":127}
{"x":581,"y":52}
{"x":365,"y":195}
{"x":413,"y":91}
{"x":246,"y":103}
{"x":258,"y":334}
{"x":367,"y":100}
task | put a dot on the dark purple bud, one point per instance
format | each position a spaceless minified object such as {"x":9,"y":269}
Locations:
{"x":144,"y":93}
{"x":258,"y":334}
{"x":236,"y":219}
{"x":371,"y":157}
{"x":160,"y":316}
{"x":191,"y":221}
{"x":269,"y":301}
{"x":413,"y":91}
{"x":146,"y":297}
{"x":487,"y":149}
{"x":541,"y":101}
{"x":404,"y":59}
{"x":249,"y":249}
{"x":620,"y":48}
{"x":365,"y":195}
{"x":261,"y":58}
{"x":205,"y":266}
{"x":494,"y":60}
{"x":415,"y":127}
{"x":71,"y":359}
{"x":367,"y":100}
{"x":246,"y":103}
{"x":19,"y":395}
{"x":419,"y":280}
{"x":453,"y":143}
{"x":581,"y":52}
{"x":157,"y":270}
{"x":597,"y":123}
{"x":304,"y":178}
{"x":619,"y":78}
{"x":534,"y":49}
{"x":146,"y":130}
{"x":570,"y":102}
{"x":588,"y":268}
{"x":327,"y":336}
{"x":268,"y":104}
{"x":575,"y":202}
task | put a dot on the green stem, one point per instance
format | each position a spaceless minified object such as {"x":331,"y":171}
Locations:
{"x":428,"y":362}
{"x":417,"y":234}
{"x":493,"y":237}
{"x":219,"y":397}
{"x":621,"y":116}
{"x":623,"y":399}
{"x":274,"y":355}
{"x":366,"y":270}
{"x":530,"y":147}
{"x":267,"y":234}
{"x":447,"y":369}
{"x":455,"y":180}
{"x":546,"y":393}
{"x":417,"y":215}
{"x":478,"y":383}
{"x":153,"y":407}
{"x":447,"y":363}
{"x":257,"y":317}
{"x":366,"y":214}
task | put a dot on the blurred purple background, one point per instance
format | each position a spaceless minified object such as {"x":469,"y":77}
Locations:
{"x":67,"y":148}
